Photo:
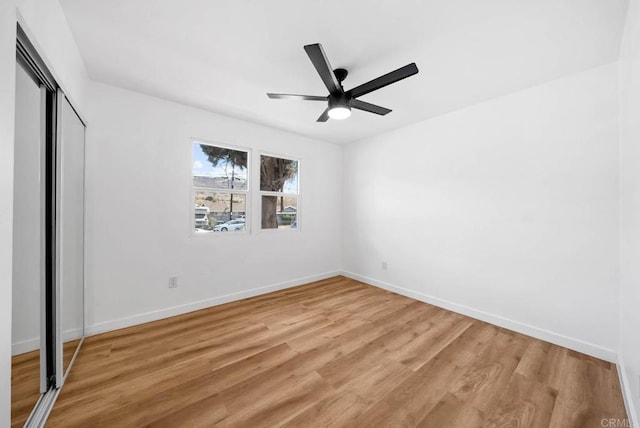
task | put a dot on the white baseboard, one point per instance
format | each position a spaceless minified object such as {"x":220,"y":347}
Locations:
{"x":517,"y":326}
{"x":626,"y":393}
{"x":33,"y":344}
{"x":201,"y":304}
{"x":25,"y":346}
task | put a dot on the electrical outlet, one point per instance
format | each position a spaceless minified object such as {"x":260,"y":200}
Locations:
{"x":384,"y":265}
{"x":173,"y":282}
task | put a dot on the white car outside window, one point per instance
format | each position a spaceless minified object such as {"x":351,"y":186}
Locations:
{"x":238,"y":224}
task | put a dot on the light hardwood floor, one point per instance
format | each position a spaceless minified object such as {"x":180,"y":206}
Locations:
{"x":25,"y":386}
{"x":332,"y":353}
{"x":25,"y":381}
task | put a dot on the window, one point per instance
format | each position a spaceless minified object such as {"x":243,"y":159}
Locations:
{"x":220,"y":187}
{"x":279,"y":190}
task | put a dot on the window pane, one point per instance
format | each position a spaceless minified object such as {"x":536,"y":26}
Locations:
{"x":220,"y":212}
{"x":279,"y":212}
{"x":278,"y":174}
{"x":219,"y":167}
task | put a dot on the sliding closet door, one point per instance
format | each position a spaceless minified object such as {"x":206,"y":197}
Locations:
{"x":48,"y":238}
{"x":27,"y":377}
{"x":70,"y":233}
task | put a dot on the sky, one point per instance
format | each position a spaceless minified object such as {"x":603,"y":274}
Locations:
{"x":202,"y":167}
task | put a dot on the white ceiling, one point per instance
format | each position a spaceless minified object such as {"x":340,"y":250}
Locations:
{"x":224,"y":55}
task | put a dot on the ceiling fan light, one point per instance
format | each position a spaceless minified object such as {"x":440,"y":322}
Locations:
{"x":339,"y":112}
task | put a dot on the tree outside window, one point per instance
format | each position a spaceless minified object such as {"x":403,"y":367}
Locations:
{"x":279,"y":192}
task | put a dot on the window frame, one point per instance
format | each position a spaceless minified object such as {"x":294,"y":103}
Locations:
{"x":262,"y":193}
{"x":193,"y":188}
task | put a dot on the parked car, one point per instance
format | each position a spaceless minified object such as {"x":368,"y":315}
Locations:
{"x":237,"y":224}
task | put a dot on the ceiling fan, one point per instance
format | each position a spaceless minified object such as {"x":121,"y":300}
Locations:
{"x":340,"y":102}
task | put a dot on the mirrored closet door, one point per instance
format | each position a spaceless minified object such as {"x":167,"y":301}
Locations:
{"x":70,"y":233}
{"x":27,"y":380}
{"x":48,"y":239}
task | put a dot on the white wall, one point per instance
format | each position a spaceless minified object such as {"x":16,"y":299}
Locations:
{"x":139,"y":219}
{"x":7,"y":107}
{"x":630,"y":208}
{"x":506,"y":210}
{"x":47,"y":28}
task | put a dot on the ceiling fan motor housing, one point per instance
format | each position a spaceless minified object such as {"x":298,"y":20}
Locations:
{"x":340,"y":100}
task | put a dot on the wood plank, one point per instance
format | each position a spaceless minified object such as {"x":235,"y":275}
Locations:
{"x":411,"y":401}
{"x":204,"y":413}
{"x":284,"y":401}
{"x":429,"y":344}
{"x":485,"y":380}
{"x":543,"y":362}
{"x":452,"y":412}
{"x":590,"y":393}
{"x":524,"y":403}
{"x":336,"y":410}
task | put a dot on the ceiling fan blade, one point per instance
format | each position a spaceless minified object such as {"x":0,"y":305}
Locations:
{"x":371,"y":108}
{"x":296,"y":97}
{"x":324,"y":116}
{"x":321,"y":63}
{"x":382,"y":81}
